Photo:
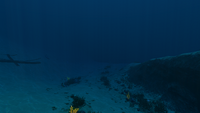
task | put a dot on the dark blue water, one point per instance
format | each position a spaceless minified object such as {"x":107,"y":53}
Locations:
{"x":114,"y":31}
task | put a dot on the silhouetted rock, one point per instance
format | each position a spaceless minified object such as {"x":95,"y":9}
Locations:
{"x":176,"y":78}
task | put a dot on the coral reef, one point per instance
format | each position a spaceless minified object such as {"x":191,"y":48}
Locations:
{"x":75,"y":110}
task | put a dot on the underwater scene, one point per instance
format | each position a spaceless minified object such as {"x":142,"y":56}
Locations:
{"x":99,"y":56}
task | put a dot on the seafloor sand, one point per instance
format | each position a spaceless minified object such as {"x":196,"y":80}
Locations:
{"x":35,"y":89}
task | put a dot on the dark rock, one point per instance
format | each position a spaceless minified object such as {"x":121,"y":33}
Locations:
{"x":105,"y":81}
{"x":176,"y":78}
{"x":78,"y":101}
{"x":81,"y":111}
{"x":105,"y":72}
{"x":71,"y":81}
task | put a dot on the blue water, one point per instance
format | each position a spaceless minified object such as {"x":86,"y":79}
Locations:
{"x":78,"y":37}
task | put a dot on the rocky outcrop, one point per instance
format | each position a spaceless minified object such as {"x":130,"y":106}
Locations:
{"x":176,"y":78}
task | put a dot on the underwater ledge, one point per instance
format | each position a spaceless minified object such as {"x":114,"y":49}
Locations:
{"x":176,"y":78}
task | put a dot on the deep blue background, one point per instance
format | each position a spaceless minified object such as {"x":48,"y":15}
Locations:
{"x":102,"y":30}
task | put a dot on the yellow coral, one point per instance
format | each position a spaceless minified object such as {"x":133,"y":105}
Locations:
{"x":128,"y":96}
{"x":73,"y":110}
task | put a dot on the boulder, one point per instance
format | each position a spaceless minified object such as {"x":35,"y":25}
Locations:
{"x":176,"y":78}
